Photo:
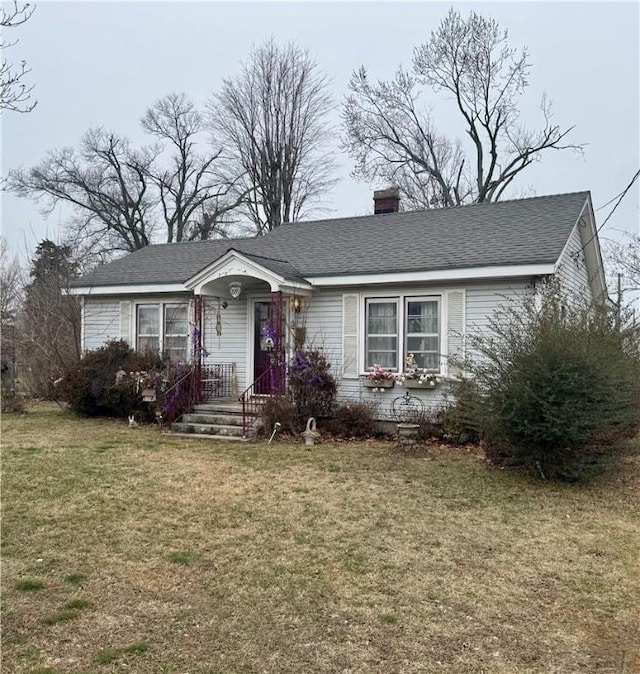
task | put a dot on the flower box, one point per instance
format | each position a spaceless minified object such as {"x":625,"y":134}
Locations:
{"x":149,"y":395}
{"x":383,"y":383}
{"x":416,"y":383}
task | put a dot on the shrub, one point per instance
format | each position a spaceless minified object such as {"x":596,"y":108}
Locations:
{"x":554,"y":379}
{"x":462,"y":419}
{"x":91,"y":388}
{"x":280,"y":409}
{"x":355,"y":420}
{"x":312,"y":386}
{"x":10,"y":401}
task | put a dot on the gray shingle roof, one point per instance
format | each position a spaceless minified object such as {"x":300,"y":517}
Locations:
{"x":522,"y":231}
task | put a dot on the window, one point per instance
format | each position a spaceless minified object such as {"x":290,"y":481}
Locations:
{"x":148,"y":338}
{"x":389,"y":340}
{"x":176,"y":331}
{"x":382,"y":333}
{"x":173,"y":339}
{"x":422,"y":332}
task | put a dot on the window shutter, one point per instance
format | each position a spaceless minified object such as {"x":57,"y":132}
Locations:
{"x":125,"y":322}
{"x":350,"y":336}
{"x":455,"y":332}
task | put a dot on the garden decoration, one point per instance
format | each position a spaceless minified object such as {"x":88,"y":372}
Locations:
{"x":276,"y":427}
{"x":406,"y":410}
{"x":310,"y":433}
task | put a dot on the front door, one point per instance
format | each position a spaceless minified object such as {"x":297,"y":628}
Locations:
{"x":263,"y":355}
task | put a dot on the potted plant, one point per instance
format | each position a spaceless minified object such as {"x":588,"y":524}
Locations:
{"x":379,"y":379}
{"x":416,"y":377}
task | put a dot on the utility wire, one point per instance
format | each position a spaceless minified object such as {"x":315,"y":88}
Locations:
{"x":621,"y":196}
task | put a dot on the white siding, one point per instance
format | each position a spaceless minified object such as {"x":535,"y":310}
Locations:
{"x":572,"y":269}
{"x":231,"y":345}
{"x":103,"y":320}
{"x":324,"y":323}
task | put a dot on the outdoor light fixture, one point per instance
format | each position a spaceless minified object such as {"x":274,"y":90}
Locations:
{"x":235,"y":288}
{"x":296,"y":304}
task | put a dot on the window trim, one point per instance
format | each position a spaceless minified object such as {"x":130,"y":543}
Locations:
{"x":423,"y":298}
{"x":401,"y":299}
{"x":165,"y":335}
{"x":398,"y":334}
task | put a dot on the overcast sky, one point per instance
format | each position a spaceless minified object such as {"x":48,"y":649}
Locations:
{"x":104,"y":63}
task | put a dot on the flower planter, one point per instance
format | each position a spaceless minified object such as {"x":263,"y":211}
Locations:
{"x":416,"y":383}
{"x":383,"y":384}
{"x":149,"y":395}
{"x":407,"y":434}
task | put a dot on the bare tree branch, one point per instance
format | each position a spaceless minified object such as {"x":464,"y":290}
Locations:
{"x":15,"y":95}
{"x":392,"y":140}
{"x":271,"y":122}
{"x":105,"y":180}
{"x":192,"y":184}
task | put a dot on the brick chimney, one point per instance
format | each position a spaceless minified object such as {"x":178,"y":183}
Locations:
{"x":386,"y":201}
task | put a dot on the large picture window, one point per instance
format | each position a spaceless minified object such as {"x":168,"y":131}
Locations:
{"x":398,"y":326}
{"x":163,"y":328}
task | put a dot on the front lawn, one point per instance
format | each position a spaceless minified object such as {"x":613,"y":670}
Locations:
{"x":124,"y":550}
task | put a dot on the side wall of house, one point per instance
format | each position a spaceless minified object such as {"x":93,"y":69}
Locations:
{"x":572,"y":269}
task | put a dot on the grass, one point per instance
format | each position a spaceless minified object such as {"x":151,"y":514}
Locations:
{"x":347,"y":558}
{"x":29,"y":585}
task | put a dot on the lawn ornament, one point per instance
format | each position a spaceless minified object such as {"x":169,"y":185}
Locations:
{"x":310,"y":433}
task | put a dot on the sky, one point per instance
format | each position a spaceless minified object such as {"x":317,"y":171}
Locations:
{"x":103,"y":63}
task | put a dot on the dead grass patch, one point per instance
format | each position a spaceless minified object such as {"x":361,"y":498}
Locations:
{"x":349,"y":558}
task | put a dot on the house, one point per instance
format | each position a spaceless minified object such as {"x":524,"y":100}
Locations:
{"x":367,"y":290}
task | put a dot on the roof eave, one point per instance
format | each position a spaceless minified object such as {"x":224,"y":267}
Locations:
{"x":459,"y":274}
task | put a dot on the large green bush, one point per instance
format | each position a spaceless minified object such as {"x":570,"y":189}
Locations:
{"x":554,"y":378}
{"x":91,"y":386}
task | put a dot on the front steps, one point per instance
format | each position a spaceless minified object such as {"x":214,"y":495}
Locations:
{"x":214,"y":420}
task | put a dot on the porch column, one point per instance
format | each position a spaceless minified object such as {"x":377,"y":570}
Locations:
{"x":198,"y":312}
{"x":278,"y":363}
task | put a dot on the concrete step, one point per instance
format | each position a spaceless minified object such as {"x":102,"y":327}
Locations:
{"x":208,"y":429}
{"x":223,"y":407}
{"x":207,"y":436}
{"x":212,"y":418}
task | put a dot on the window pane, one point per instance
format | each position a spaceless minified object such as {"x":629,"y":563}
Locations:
{"x":387,"y":359}
{"x":148,"y":321}
{"x":422,"y":344}
{"x":176,"y":348}
{"x":422,"y":317}
{"x":428,"y":361}
{"x":148,"y":344}
{"x":175,"y":320}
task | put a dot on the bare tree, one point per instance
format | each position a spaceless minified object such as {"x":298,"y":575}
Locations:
{"x":106,"y":181}
{"x":15,"y":94}
{"x":271,"y":120}
{"x":192,"y":198}
{"x":10,"y":282}
{"x":392,"y":138}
